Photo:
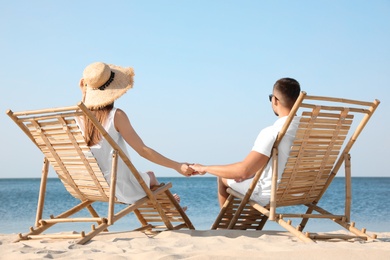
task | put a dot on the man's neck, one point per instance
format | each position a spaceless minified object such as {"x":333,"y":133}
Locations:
{"x":284,"y":113}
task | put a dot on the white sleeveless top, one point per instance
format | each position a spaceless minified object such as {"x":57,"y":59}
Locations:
{"x":128,"y":190}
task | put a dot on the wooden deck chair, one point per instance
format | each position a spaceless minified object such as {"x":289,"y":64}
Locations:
{"x":316,"y":155}
{"x":56,"y":134}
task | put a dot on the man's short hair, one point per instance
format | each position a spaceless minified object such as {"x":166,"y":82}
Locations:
{"x":289,"y":88}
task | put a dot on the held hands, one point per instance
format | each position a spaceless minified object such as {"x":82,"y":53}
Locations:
{"x":198,"y":169}
{"x":188,"y":170}
{"x":185,"y":170}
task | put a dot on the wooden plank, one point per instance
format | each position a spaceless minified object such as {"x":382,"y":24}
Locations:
{"x":322,"y":126}
{"x":323,"y":117}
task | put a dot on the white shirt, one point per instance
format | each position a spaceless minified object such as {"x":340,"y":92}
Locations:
{"x":263,"y":144}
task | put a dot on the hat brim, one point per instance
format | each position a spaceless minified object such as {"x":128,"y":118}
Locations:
{"x":123,"y":81}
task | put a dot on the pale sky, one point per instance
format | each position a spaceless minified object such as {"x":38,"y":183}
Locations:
{"x":204,"y":70}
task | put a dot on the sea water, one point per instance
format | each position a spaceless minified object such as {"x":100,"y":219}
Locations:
{"x":18,"y":197}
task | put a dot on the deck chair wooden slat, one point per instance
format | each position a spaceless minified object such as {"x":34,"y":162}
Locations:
{"x":56,"y":133}
{"x":322,"y":144}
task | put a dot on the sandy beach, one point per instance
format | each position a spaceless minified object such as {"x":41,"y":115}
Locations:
{"x":202,"y":244}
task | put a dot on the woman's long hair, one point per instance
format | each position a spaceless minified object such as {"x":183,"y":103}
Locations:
{"x":91,"y":135}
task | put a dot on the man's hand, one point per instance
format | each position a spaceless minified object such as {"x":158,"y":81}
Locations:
{"x":198,"y":169}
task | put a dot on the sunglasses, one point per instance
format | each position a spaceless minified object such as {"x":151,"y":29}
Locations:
{"x":270,"y":97}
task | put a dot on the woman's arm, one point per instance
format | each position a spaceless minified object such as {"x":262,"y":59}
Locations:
{"x":123,"y":126}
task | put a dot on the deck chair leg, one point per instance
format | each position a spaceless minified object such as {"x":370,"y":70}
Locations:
{"x":304,"y":221}
{"x":44,"y":226}
{"x":42,"y":191}
{"x":351,"y":227}
{"x":111,"y":203}
{"x":141,"y":219}
{"x":164,"y":217}
{"x":348,"y":188}
{"x":33,"y":232}
{"x":347,"y":225}
{"x":222,"y":213}
{"x":293,"y":230}
{"x":102,"y":227}
{"x":144,"y":224}
{"x":162,"y":214}
{"x":262,"y":222}
{"x":95,"y":215}
{"x":184,"y":216}
{"x":239,"y":210}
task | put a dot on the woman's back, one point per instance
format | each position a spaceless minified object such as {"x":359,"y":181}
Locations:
{"x":128,"y":189}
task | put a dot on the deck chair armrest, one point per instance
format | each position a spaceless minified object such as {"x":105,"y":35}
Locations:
{"x":235,"y":193}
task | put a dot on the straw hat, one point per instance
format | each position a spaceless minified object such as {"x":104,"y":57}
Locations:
{"x":105,"y":83}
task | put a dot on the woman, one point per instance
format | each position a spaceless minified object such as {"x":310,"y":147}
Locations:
{"x":101,"y":85}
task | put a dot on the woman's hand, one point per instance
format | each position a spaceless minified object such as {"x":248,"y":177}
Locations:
{"x":185,"y":170}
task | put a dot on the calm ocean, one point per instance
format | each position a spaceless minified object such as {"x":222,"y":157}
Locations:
{"x":370,"y":204}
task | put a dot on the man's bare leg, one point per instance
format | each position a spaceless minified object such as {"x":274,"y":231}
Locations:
{"x":222,"y":194}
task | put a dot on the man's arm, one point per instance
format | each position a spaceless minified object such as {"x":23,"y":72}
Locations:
{"x":238,"y":171}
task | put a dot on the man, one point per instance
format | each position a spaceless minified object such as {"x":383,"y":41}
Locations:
{"x":239,"y":175}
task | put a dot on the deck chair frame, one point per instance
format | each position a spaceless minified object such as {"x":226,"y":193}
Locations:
{"x":314,"y":160}
{"x":56,"y":134}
